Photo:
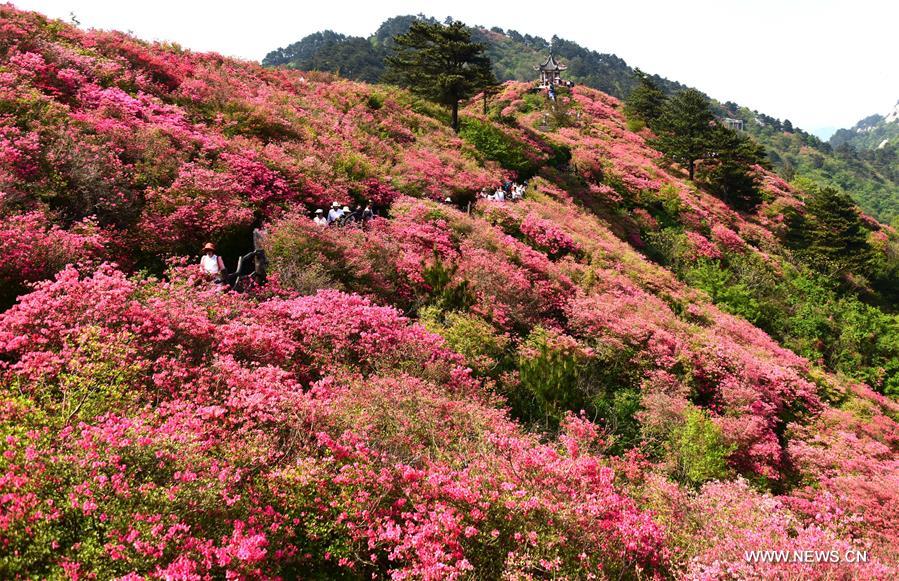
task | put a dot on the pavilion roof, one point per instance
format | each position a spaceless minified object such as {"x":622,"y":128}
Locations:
{"x":550,"y":64}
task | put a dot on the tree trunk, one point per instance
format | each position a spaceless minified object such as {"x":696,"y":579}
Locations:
{"x":456,"y":116}
{"x":692,"y":168}
{"x":485,"y":102}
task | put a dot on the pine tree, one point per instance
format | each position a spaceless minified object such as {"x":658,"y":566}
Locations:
{"x":684,"y":129}
{"x":837,"y":239}
{"x":646,"y":100}
{"x":441,"y":63}
{"x":728,"y":170}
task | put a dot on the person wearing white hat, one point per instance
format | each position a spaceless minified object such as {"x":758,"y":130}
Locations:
{"x":320,"y":218}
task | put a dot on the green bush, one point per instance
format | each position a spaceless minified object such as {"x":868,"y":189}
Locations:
{"x":492,"y":143}
{"x":533,"y":102}
{"x":483,"y":348}
{"x":730,"y":295}
{"x":375,"y":101}
{"x":699,"y":449}
{"x":618,"y":410}
{"x":668,"y":247}
{"x":549,"y":376}
{"x":561,"y":156}
{"x":445,"y":292}
{"x":867,"y":347}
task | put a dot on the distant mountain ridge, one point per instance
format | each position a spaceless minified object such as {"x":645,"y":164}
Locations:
{"x":873,"y":132}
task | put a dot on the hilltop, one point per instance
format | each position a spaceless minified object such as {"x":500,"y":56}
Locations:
{"x":618,"y":376}
{"x":513,"y":54}
{"x":871,"y":179}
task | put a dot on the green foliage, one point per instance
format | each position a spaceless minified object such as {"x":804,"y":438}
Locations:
{"x":441,"y":63}
{"x":484,"y":349}
{"x":805,"y":311}
{"x":867,"y":345}
{"x":728,"y":172}
{"x":549,"y":375}
{"x":669,"y":247}
{"x":375,"y":101}
{"x":561,"y":110}
{"x":831,"y":236}
{"x":533,"y":102}
{"x":445,"y":292}
{"x":699,"y":449}
{"x":635,"y":125}
{"x":645,"y":101}
{"x":306,"y":261}
{"x":664,"y":205}
{"x":618,"y":410}
{"x":558,"y":375}
{"x":733,"y":297}
{"x":561,"y":156}
{"x":352,"y":165}
{"x":684,"y":128}
{"x":495,"y":145}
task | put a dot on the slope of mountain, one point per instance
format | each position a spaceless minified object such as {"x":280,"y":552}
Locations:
{"x":404,"y":399}
{"x":870,"y":179}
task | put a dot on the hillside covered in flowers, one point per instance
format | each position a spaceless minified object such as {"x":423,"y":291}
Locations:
{"x":618,"y":376}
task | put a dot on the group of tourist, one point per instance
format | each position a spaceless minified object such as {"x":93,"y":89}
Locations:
{"x":341,"y":216}
{"x":508,"y":191}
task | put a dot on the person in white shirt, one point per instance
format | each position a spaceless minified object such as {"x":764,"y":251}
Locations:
{"x":320,"y":218}
{"x":212,"y":265}
{"x":334,"y":213}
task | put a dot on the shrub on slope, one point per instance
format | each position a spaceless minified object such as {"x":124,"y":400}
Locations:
{"x":162,"y":429}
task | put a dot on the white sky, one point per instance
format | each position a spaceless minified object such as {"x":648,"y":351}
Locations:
{"x":823,"y":64}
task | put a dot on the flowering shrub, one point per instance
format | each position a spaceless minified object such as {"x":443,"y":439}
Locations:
{"x":545,"y":236}
{"x":729,"y":240}
{"x":732,"y":520}
{"x":33,"y":248}
{"x":237,"y":469}
{"x":702,"y":246}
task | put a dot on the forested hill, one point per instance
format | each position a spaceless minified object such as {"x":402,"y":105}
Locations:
{"x":871,"y":178}
{"x":513,"y":54}
{"x":621,"y":375}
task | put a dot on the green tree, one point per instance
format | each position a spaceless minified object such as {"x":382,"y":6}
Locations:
{"x":684,"y":129}
{"x":441,"y":63}
{"x":837,"y":239}
{"x":646,"y":100}
{"x":728,"y":171}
